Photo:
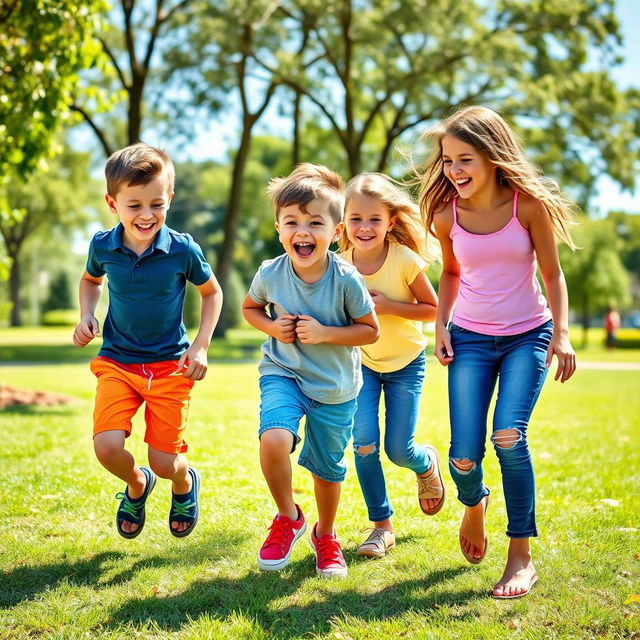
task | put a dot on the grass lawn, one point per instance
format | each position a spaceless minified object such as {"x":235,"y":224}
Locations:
{"x":66,"y":574}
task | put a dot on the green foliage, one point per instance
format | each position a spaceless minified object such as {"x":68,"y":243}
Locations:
{"x":43,"y":47}
{"x":59,"y":293}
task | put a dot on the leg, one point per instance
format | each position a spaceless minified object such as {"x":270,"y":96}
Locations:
{"x":402,"y":394}
{"x":110,"y":451}
{"x":472,"y":377}
{"x":366,"y":447}
{"x":522,"y":375}
{"x":275,"y":448}
{"x":174,"y":467}
{"x":327,"y":499}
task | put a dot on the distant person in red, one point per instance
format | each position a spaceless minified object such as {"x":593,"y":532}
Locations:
{"x":611,"y":324}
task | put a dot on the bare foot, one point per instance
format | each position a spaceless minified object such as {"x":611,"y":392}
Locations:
{"x":473,"y":539}
{"x":135,"y":491}
{"x":429,"y":504}
{"x":430,"y":484}
{"x":519,"y":574}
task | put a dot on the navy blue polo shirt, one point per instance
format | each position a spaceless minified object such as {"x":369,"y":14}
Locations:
{"x":146,"y":293}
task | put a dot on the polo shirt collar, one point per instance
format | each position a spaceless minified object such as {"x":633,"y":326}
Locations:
{"x":162,"y":241}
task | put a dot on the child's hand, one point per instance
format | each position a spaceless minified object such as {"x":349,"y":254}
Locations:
{"x":284,"y":328}
{"x":443,"y":349}
{"x":380,"y":300}
{"x":195,"y":359}
{"x":309,"y":330}
{"x":86,"y":330}
{"x":561,"y":347}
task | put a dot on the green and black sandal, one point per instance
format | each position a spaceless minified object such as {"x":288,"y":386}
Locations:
{"x":185,"y":507}
{"x":132,"y":509}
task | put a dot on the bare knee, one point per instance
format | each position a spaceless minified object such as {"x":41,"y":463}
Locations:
{"x":108,"y":445}
{"x":463,"y":464}
{"x":365,"y":450}
{"x":275,"y":441}
{"x":165,"y":465}
{"x":506,"y":438}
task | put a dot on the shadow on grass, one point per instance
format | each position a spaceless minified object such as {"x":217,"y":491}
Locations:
{"x":256,"y":595}
{"x":26,"y":582}
{"x":34,"y":409}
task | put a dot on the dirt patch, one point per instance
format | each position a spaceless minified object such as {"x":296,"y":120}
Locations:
{"x":11,"y":396}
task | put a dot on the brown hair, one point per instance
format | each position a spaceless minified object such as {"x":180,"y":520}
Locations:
{"x":305,"y":183}
{"x":486,"y":131}
{"x":137,"y":164}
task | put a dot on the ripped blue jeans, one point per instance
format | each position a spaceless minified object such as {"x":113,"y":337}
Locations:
{"x":402,"y":391}
{"x":517,"y":363}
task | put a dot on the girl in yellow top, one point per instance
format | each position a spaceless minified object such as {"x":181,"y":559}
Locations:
{"x":384,"y":240}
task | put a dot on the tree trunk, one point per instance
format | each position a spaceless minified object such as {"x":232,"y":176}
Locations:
{"x":232,"y":219}
{"x":14,"y":290}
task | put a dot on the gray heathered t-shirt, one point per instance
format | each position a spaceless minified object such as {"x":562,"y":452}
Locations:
{"x":327,"y":373}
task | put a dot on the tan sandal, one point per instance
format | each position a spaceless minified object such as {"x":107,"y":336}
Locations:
{"x":469,"y":557}
{"x":431,"y":487}
{"x":377,"y":544}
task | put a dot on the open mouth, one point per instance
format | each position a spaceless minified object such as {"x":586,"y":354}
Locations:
{"x":462,"y":182}
{"x":144,"y":228}
{"x":303,"y":249}
{"x":365,"y":238}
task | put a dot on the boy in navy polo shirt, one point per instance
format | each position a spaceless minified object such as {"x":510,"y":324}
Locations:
{"x":145,"y":355}
{"x":316,"y":310}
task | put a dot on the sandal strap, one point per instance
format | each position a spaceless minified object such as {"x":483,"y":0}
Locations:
{"x":129,"y":511}
{"x":430,"y":487}
{"x":376,"y":540}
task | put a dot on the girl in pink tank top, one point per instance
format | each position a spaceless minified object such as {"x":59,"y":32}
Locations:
{"x":497,"y":219}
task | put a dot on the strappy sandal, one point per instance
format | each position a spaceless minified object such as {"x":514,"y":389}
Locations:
{"x":469,"y":557}
{"x":187,"y":508}
{"x":377,"y":544}
{"x":431,"y":487}
{"x":132,"y":509}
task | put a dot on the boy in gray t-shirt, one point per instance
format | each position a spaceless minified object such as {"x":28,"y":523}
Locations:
{"x":316,"y":310}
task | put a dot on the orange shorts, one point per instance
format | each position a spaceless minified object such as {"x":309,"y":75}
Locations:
{"x":122,"y":388}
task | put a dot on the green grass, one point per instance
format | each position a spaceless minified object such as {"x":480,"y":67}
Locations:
{"x":66,"y":574}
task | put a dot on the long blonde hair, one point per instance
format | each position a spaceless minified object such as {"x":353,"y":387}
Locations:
{"x":408,"y":228}
{"x":489,"y":134}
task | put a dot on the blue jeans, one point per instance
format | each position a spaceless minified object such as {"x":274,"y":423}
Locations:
{"x":479,"y":361}
{"x":402,"y":391}
{"x":327,"y":429}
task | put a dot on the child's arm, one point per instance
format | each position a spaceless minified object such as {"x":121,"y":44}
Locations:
{"x":448,"y":287}
{"x":423,"y":309}
{"x":364,"y":330}
{"x":539,"y":225}
{"x":282,"y":328}
{"x":196,"y":354}
{"x":88,"y":327}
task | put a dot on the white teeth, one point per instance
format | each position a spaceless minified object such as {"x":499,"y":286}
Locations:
{"x":463,"y":181}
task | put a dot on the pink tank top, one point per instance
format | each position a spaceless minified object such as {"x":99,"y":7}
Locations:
{"x":499,"y":293}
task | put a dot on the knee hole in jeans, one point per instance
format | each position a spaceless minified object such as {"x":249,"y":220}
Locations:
{"x":365,"y":449}
{"x":507,"y":438}
{"x":463,"y":465}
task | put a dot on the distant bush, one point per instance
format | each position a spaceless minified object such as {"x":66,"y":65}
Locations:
{"x":60,"y":318}
{"x":628,"y":338}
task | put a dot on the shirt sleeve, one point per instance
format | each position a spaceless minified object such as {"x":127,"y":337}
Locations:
{"x":412,"y":265}
{"x":258,"y":290}
{"x":197,"y":269}
{"x":94,"y":266}
{"x":358,"y":302}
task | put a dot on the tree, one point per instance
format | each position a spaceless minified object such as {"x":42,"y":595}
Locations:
{"x":215,"y":59}
{"x":375,"y":71}
{"x":56,"y":197}
{"x":43,"y":47}
{"x":595,"y":274}
{"x":130,"y":40}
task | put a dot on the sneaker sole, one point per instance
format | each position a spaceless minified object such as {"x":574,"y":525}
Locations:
{"x":265,"y":565}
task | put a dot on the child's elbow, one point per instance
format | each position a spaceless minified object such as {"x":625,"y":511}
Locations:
{"x":373,"y":335}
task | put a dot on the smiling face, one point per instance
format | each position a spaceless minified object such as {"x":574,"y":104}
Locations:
{"x":467,"y":169}
{"x":367,"y":222}
{"x":142,"y":210}
{"x":306,"y":237}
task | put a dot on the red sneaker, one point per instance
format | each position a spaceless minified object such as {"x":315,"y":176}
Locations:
{"x":329,"y":559}
{"x":277,"y":548}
